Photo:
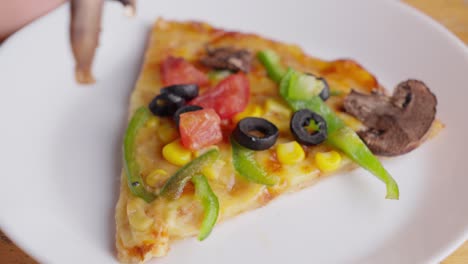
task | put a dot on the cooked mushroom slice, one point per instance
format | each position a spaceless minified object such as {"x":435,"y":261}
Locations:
{"x":85,"y":26}
{"x":227,"y":58}
{"x":84,"y":36}
{"x":396,"y":124}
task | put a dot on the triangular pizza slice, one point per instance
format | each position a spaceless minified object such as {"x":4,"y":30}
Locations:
{"x":223,"y":122}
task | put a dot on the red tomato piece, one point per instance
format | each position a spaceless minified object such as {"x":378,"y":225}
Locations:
{"x":199,"y":129}
{"x":179,"y":71}
{"x":228,"y":98}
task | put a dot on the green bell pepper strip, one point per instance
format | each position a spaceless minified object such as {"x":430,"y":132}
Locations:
{"x":174,"y":186}
{"x":210,"y":205}
{"x":218,"y":75}
{"x":349,"y":142}
{"x":132,"y":169}
{"x":247,"y":166}
{"x":311,"y":86}
{"x":314,"y":103}
{"x":339,"y":135}
{"x":272,"y":63}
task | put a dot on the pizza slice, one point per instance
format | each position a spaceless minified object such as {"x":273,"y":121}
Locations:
{"x":223,"y":122}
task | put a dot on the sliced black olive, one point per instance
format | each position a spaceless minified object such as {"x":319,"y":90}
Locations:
{"x":299,"y":123}
{"x":185,"y":109}
{"x":265,"y":137}
{"x":186,"y":91}
{"x":325,"y":93}
{"x":166,"y":104}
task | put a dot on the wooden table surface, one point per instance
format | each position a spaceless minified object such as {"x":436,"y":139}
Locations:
{"x":451,"y":13}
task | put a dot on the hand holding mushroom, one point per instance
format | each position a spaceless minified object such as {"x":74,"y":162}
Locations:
{"x":85,"y":24}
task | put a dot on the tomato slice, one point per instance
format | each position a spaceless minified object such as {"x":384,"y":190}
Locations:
{"x":228,"y":98}
{"x":199,"y":129}
{"x":179,"y":71}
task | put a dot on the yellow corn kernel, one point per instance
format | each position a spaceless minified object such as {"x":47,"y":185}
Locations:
{"x":176,"y":154}
{"x":328,"y":161}
{"x":290,"y":153}
{"x":212,"y":172}
{"x":166,"y":132}
{"x":152,"y":122}
{"x":136,"y":214}
{"x":275,"y":106}
{"x":155,"y":177}
{"x":250,"y":111}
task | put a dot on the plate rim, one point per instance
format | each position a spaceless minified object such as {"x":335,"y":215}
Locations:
{"x":444,"y":32}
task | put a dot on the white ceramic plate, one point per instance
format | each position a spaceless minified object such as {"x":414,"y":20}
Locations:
{"x":61,"y":158}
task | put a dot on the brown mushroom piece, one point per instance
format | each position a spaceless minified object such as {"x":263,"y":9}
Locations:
{"x":85,"y":25}
{"x":227,"y":58}
{"x":396,"y":124}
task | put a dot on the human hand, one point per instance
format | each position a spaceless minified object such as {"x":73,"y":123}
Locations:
{"x":85,"y":24}
{"x":17,"y":13}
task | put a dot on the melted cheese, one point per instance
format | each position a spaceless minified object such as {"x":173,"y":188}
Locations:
{"x":182,"y":217}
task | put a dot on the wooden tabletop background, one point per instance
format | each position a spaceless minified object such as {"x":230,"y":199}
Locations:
{"x":451,"y":13}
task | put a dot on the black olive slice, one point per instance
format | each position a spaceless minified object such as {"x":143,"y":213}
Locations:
{"x":325,"y":93}
{"x":185,"y":109}
{"x":165,"y":104}
{"x":299,"y":123}
{"x":267,"y":133}
{"x":186,"y":91}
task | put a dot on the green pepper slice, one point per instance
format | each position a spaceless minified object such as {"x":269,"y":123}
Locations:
{"x":245,"y":164}
{"x":312,"y":102}
{"x":349,"y":142}
{"x":132,"y":168}
{"x":272,"y":63}
{"x":218,"y":75}
{"x":210,"y":205}
{"x":339,"y":135}
{"x":174,"y":186}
